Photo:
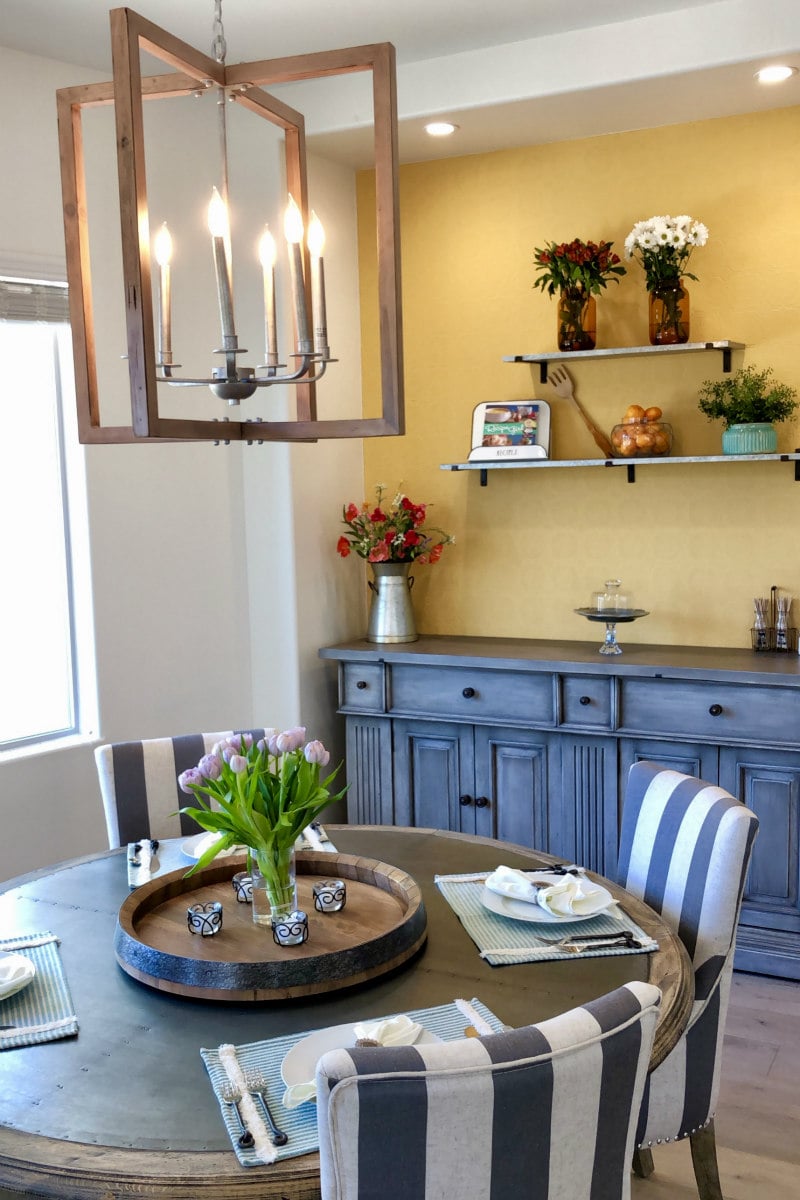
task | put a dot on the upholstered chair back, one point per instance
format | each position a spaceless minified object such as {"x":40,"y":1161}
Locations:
{"x":684,"y":850}
{"x":546,"y":1112}
{"x":139,"y":785}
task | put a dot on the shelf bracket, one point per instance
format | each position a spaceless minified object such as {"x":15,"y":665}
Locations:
{"x":542,"y":372}
{"x":726,"y":360}
{"x":797,"y":466}
{"x":484,"y":476}
{"x":631,"y":473}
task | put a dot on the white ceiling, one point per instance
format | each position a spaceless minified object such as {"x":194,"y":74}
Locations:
{"x":508,"y":72}
{"x":77,"y":30}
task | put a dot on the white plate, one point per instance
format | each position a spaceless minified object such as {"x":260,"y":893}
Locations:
{"x":300,"y":1063}
{"x":522,"y":910}
{"x":16,"y":972}
{"x":193,"y":847}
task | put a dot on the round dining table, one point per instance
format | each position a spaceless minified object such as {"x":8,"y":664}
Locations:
{"x":125,"y":1108}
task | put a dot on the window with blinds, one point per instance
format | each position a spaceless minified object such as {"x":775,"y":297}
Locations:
{"x":39,"y":695}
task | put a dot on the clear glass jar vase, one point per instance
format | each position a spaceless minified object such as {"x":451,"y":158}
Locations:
{"x":274,"y":885}
{"x":577,"y":321}
{"x":669,"y":314}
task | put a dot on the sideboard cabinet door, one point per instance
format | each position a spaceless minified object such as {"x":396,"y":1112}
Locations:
{"x":768,"y":782}
{"x":687,"y":757}
{"x":434,"y":776}
{"x":515,"y":769}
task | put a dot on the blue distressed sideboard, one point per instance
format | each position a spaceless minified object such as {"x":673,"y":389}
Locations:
{"x":531,"y":741}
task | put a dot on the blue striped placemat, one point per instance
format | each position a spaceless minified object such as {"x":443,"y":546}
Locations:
{"x":43,"y":1010}
{"x":503,"y":941}
{"x":445,"y":1021}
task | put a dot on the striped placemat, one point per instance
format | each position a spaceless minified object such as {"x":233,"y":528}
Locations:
{"x":503,"y":941}
{"x":446,"y":1021}
{"x":43,"y":1010}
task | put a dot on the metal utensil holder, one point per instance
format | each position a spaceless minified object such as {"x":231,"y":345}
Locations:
{"x":770,"y":638}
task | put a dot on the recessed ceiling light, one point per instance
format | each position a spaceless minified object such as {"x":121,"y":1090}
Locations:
{"x":440,"y":128}
{"x":775,"y":74}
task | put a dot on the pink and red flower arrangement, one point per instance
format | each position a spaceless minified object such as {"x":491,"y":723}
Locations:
{"x":391,"y":533}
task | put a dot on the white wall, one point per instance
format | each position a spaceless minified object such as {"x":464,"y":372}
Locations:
{"x":212,"y":567}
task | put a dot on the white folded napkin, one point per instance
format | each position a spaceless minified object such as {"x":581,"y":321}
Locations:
{"x":507,"y":881}
{"x":574,"y":895}
{"x":15,"y":972}
{"x":394,"y":1031}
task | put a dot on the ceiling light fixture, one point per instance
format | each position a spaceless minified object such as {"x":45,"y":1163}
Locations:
{"x":440,"y":128}
{"x":775,"y":74}
{"x":150,"y":353}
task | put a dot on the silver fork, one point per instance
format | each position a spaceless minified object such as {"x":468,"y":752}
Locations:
{"x":577,"y":945}
{"x":256,"y":1085}
{"x":232,"y":1095}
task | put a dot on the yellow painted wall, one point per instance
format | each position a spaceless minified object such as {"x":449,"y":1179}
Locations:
{"x":694,"y":543}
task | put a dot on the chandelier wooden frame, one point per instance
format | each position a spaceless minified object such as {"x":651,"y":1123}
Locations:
{"x":131,"y":33}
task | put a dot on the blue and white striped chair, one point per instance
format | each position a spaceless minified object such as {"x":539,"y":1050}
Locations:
{"x":547,"y":1112}
{"x":684,"y":850}
{"x":139,"y":785}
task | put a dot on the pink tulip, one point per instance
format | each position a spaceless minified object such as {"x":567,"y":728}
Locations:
{"x":210,"y":766}
{"x":290,"y":739}
{"x":189,"y":779}
{"x":315,"y":752}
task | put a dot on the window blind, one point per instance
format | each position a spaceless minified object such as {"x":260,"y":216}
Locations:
{"x":29,"y":300}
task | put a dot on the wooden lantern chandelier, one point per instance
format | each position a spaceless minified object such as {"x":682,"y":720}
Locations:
{"x":150,"y":358}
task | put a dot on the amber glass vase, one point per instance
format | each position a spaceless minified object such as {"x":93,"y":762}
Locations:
{"x":577,"y":321}
{"x":669,"y":314}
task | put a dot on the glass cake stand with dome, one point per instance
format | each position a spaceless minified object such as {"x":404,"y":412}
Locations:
{"x":612,"y":606}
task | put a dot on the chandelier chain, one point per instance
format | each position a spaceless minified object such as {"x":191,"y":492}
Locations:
{"x":219,"y":47}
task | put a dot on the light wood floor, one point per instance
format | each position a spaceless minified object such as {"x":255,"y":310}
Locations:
{"x":758,"y":1115}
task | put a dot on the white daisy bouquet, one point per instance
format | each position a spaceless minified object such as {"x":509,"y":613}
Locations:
{"x":663,"y":245}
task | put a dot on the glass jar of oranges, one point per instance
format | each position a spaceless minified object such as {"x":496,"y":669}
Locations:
{"x":641,"y":434}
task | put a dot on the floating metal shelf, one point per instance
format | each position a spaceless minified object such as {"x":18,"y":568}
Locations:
{"x":629,"y":464}
{"x":724,"y":347}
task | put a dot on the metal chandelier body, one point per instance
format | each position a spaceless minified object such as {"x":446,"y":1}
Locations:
{"x":149,"y":340}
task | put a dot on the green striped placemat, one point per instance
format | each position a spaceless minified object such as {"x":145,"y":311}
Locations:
{"x":43,"y":1010}
{"x":446,"y":1021}
{"x":503,"y":941}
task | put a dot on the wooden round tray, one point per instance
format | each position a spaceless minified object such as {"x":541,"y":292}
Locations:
{"x":382,"y":925}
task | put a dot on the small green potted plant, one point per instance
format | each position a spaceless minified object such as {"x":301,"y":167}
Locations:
{"x":750,"y":404}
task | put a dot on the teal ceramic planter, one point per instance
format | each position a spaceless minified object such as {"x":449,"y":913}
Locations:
{"x":761,"y":438}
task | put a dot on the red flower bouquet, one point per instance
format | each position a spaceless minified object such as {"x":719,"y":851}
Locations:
{"x":391,"y":533}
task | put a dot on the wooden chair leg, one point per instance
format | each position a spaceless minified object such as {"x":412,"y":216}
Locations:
{"x":643,"y":1163}
{"x":704,"y":1160}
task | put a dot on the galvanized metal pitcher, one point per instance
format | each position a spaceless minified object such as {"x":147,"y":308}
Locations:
{"x":391,"y":615}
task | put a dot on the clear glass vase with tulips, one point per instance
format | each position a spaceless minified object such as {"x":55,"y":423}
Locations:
{"x":261,"y":795}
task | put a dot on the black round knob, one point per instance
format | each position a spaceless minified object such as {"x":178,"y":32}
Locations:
{"x":586,"y":699}
{"x":715,"y":710}
{"x":361,"y":684}
{"x":482,"y":802}
{"x":465,"y":800}
{"x":468,"y":693}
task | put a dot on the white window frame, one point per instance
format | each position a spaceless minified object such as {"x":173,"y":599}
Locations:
{"x":46,"y":283}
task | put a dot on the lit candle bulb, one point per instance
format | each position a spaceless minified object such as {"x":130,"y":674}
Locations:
{"x":293,"y":231}
{"x":267,"y":253}
{"x":162,"y":249}
{"x":316,"y":244}
{"x":220,"y":233}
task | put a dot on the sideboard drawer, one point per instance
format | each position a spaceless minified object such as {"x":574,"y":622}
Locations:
{"x":362,"y":688}
{"x":472,"y":694}
{"x":710,"y":711}
{"x":586,"y":701}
